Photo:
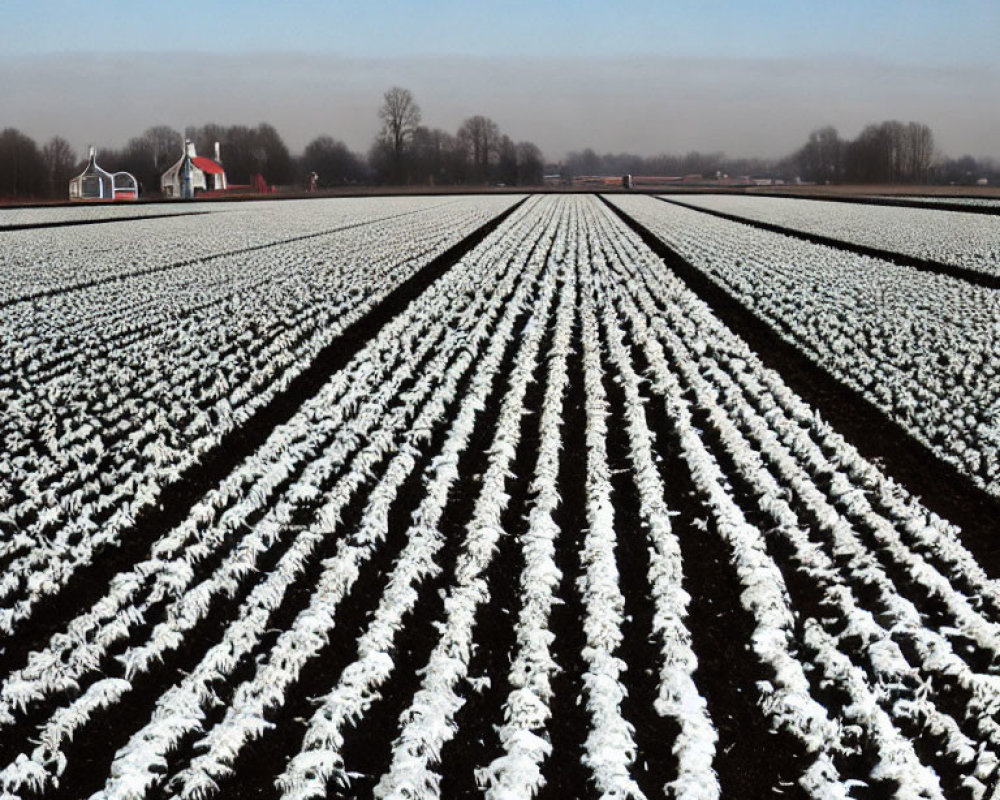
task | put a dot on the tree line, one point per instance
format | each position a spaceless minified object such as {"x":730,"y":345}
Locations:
{"x":886,"y":152}
{"x":706,"y":165}
{"x":407,"y":152}
{"x":890,"y":152}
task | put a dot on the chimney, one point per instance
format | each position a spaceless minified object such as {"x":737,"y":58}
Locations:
{"x":218,"y":159}
{"x":189,"y":148}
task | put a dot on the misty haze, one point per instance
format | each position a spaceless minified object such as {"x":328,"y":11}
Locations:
{"x":761,"y":107}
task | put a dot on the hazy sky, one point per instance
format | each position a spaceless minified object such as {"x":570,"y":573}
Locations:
{"x":750,"y":78}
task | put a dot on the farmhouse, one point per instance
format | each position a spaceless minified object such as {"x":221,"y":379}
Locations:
{"x":96,"y":184}
{"x":193,"y":173}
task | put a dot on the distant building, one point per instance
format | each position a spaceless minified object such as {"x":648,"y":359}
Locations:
{"x":96,"y":184}
{"x":192,"y":174}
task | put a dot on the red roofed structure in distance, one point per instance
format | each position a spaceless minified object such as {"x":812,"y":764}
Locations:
{"x":193,"y":174}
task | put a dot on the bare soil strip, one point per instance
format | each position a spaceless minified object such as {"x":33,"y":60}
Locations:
{"x":495,"y":638}
{"x":941,"y":487}
{"x":565,"y":775}
{"x":89,"y":584}
{"x":255,"y":768}
{"x":922,"y":264}
{"x":752,"y":761}
{"x":902,"y":201}
{"x":367,"y":749}
{"x":263,"y":759}
{"x":655,"y":765}
{"x":66,"y":223}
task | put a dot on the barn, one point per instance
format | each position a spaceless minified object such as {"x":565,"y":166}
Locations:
{"x":192,"y":174}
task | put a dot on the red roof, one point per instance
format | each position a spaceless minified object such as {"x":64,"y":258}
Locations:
{"x":206,"y":165}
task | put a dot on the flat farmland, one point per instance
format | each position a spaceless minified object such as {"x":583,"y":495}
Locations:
{"x":500,"y":496}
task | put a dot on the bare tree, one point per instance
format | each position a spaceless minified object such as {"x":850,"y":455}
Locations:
{"x":821,"y":158}
{"x":530,"y":165}
{"x":60,"y":165}
{"x":332,"y":161}
{"x":432,"y":154}
{"x":400,"y":117}
{"x":147,"y":156}
{"x":164,"y":145}
{"x":920,"y":150}
{"x":507,"y":161}
{"x":891,"y":152}
{"x":277,"y":161}
{"x":480,"y":137}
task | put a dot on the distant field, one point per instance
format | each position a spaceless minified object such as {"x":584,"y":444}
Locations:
{"x":500,"y":495}
{"x":862,"y":189}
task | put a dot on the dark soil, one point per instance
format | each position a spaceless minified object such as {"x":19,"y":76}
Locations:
{"x":65,"y":223}
{"x":95,"y":746}
{"x":942,"y":201}
{"x":565,"y":775}
{"x":752,"y":761}
{"x":655,"y":764}
{"x":477,"y":743}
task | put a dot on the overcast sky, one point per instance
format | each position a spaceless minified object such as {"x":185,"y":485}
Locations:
{"x":749,"y":78}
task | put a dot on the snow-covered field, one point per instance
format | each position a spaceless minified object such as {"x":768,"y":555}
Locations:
{"x":83,"y":213}
{"x":921,"y":346}
{"x":964,"y":240}
{"x":325,"y":499}
{"x":935,"y":200}
{"x":46,"y":261}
